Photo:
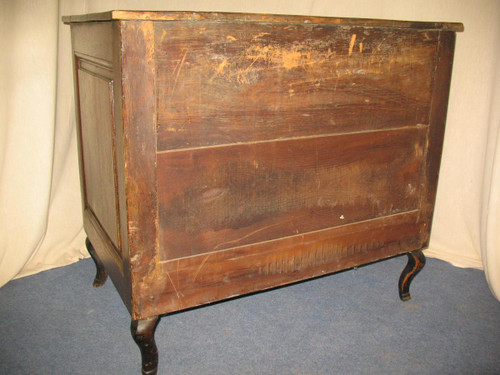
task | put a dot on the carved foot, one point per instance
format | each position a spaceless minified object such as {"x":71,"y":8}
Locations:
{"x":143,"y":332}
{"x":101,"y":275}
{"x":416,"y":261}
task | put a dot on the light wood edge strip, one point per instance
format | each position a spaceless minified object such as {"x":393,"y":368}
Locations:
{"x":258,"y":18}
{"x":286,"y":139}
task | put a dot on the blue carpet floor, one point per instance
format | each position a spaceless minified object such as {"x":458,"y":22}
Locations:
{"x":347,"y":323}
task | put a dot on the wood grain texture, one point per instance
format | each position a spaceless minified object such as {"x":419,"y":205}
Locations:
{"x":98,"y":139}
{"x":188,"y":282}
{"x":256,"y":17}
{"x":254,"y":151}
{"x":440,"y":94}
{"x":120,"y":151}
{"x":96,"y":50}
{"x":221,"y":197}
{"x":228,"y":83}
{"x":139,"y":142}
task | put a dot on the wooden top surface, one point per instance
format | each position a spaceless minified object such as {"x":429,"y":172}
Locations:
{"x":254,"y":17}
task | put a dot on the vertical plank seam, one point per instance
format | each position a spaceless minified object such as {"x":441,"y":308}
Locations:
{"x":424,"y":176}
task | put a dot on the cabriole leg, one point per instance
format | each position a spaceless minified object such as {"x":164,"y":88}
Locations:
{"x":416,"y":261}
{"x":101,"y":275}
{"x":143,"y":332}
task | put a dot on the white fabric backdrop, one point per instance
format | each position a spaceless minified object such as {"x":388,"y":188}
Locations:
{"x":40,"y":211}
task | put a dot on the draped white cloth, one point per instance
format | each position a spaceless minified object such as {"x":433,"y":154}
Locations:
{"x":40,"y":209}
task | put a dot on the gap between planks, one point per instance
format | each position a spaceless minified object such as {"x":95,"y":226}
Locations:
{"x":209,"y":253}
{"x":417,"y":126}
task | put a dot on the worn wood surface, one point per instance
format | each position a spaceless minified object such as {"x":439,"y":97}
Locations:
{"x":227,"y":83}
{"x":256,"y":18}
{"x":251,"y":151}
{"x":224,"y":154}
{"x":221,"y":197}
{"x":210,"y":277}
{"x":120,"y":151}
{"x":441,"y":88}
{"x":139,"y":142}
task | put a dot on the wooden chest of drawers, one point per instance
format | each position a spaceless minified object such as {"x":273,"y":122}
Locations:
{"x":223,"y":154}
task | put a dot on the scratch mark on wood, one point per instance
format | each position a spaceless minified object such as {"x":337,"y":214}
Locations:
{"x":222,"y":245}
{"x":172,"y":282}
{"x":286,"y":58}
{"x":222,"y":65}
{"x":246,"y":70}
{"x":178,"y":67}
{"x":200,"y":267}
{"x":351,"y":43}
{"x":260,"y":35}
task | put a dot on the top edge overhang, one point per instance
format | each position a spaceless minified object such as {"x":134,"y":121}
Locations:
{"x":115,"y":15}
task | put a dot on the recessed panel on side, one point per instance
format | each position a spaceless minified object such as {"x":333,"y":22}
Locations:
{"x":98,"y":142}
{"x":217,"y":198}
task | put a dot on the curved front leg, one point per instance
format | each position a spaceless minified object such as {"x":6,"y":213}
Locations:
{"x":416,"y":261}
{"x":143,"y":332}
{"x":101,"y":275}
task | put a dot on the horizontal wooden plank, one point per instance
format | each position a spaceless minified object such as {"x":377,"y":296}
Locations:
{"x":254,"y":17}
{"x":227,"y":83}
{"x":221,"y":197}
{"x":183,"y":283}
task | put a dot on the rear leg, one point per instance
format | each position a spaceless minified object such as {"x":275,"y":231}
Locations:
{"x":416,"y":261}
{"x":101,"y":275}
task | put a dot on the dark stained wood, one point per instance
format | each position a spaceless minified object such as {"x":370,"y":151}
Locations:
{"x":143,"y":333}
{"x":228,"y":83}
{"x":101,"y":275}
{"x":139,"y":142}
{"x":97,"y":127}
{"x":221,"y":197}
{"x":120,"y":159}
{"x":416,"y":261}
{"x":256,"y":18}
{"x":440,"y":94}
{"x":223,"y":154}
{"x":94,"y":53}
{"x":109,"y":256}
{"x":192,"y":281}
